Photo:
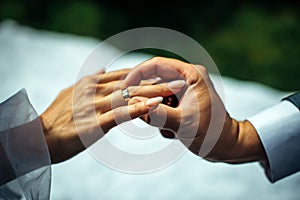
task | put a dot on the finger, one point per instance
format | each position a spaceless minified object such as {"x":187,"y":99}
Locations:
{"x":101,"y":71}
{"x":144,"y":117}
{"x":107,"y":98}
{"x":113,"y":75}
{"x":104,"y":89}
{"x":126,"y":113}
{"x":164,"y":132}
{"x":114,"y":100}
{"x":163,"y":89}
{"x":164,"y":117}
{"x":137,"y":99}
{"x":165,"y":68}
{"x":109,"y":87}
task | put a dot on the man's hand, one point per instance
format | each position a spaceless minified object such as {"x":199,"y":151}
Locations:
{"x":200,"y":112}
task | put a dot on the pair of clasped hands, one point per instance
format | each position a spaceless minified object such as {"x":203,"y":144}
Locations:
{"x":181,"y":105}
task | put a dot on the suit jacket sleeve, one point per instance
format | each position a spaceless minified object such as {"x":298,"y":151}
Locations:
{"x":25,"y":169}
{"x":279,"y":130}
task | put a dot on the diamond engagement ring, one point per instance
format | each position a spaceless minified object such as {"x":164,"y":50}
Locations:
{"x":125,"y":94}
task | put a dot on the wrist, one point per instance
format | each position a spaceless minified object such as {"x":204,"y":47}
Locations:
{"x":251,"y":148}
{"x":227,"y":147}
{"x":247,"y":145}
{"x":46,"y":129}
{"x":238,"y":143}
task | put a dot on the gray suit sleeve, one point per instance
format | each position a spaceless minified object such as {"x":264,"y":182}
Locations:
{"x":25,"y":167}
{"x":294,"y":99}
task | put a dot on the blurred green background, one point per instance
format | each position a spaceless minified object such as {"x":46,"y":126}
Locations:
{"x":249,"y":40}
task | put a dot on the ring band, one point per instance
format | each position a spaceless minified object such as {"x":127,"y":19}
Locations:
{"x":125,"y":94}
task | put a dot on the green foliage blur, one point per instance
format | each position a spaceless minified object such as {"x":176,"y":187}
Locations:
{"x":249,"y":40}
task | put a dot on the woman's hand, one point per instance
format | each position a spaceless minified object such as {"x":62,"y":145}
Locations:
{"x":200,"y":120}
{"x":83,"y":113}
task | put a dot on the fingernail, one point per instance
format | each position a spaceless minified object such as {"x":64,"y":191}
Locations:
{"x":154,"y":101}
{"x":154,"y":80}
{"x":176,"y":84}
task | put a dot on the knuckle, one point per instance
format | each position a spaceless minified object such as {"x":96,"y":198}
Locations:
{"x":90,"y":79}
{"x":199,"y":75}
{"x":202,"y":69}
{"x":88,"y":89}
{"x":100,"y":87}
{"x":118,"y":112}
{"x":156,"y":59}
{"x":124,"y":72}
{"x":121,"y":115}
{"x":132,"y":90}
{"x":162,"y":88}
{"x":101,"y":77}
{"x":138,"y":107}
{"x":85,"y":79}
{"x":109,"y":118}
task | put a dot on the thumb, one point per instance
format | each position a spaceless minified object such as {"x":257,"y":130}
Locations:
{"x":165,"y":117}
{"x":160,"y":115}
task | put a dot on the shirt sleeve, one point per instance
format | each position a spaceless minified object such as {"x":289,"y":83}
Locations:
{"x":25,"y":166}
{"x":279,"y":130}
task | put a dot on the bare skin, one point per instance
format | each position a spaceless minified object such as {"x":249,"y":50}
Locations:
{"x":237,"y":141}
{"x":97,"y":105}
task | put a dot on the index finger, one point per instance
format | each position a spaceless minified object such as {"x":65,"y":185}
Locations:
{"x":113,"y":75}
{"x":165,"y":68}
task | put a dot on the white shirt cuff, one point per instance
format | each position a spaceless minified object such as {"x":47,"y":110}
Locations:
{"x":279,"y":130}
